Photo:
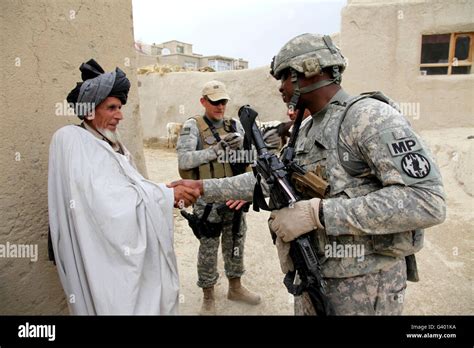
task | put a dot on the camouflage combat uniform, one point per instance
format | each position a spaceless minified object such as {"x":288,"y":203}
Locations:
{"x":193,"y":152}
{"x":400,"y":189}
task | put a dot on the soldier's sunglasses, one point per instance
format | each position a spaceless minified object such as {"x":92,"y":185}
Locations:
{"x":217,"y":102}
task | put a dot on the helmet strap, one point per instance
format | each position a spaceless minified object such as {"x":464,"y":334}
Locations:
{"x":336,"y":74}
{"x":316,"y":85}
{"x":296,"y":91}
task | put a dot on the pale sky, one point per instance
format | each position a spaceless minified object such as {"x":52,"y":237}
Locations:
{"x":250,"y":29}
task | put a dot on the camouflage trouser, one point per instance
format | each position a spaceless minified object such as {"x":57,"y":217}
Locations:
{"x":232,"y":251}
{"x":380,"y":293}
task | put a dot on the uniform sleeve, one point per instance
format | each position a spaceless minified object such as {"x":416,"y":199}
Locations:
{"x":411,"y":194}
{"x":188,"y":155}
{"x":235,"y":187}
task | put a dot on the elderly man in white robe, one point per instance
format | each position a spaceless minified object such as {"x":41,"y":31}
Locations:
{"x":111,"y":229}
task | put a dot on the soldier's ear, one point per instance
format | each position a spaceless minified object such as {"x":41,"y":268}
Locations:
{"x":203,"y":101}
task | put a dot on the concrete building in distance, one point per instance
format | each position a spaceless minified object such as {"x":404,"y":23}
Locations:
{"x":181,"y":54}
{"x":419,"y":53}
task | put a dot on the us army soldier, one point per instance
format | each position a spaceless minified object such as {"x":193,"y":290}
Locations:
{"x":385,"y":186}
{"x":204,"y":147}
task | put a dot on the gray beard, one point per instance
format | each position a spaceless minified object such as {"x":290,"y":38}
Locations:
{"x":113,"y":137}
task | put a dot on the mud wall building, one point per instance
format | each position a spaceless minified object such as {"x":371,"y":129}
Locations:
{"x":174,"y":97}
{"x":43,"y":43}
{"x":386,"y":44}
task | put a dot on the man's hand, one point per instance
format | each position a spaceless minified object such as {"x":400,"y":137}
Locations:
{"x":234,"y":140}
{"x":290,"y":223}
{"x":235,"y":204}
{"x":219,"y":147}
{"x":187,"y":191}
{"x":272,"y":139}
{"x":193,"y":184}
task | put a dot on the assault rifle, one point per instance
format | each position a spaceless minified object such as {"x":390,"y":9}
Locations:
{"x":283,"y":177}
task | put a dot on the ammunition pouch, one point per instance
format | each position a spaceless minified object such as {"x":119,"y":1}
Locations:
{"x":403,"y":244}
{"x":398,"y":244}
{"x":309,"y":184}
{"x":192,"y":174}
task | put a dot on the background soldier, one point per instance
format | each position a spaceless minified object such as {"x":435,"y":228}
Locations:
{"x":377,"y":201}
{"x":277,"y":133}
{"x":204,"y":143}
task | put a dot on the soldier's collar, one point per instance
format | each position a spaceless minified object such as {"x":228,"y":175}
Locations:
{"x":321,"y":112}
{"x":216,"y":124}
{"x":339,"y":98}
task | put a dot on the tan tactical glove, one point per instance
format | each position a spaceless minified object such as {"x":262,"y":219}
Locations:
{"x":219,"y":147}
{"x":283,"y":250}
{"x":290,"y":223}
{"x":234,"y":140}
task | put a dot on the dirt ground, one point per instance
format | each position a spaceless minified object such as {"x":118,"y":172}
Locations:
{"x":445,"y":263}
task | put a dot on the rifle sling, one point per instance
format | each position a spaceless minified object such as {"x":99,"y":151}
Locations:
{"x":207,"y":211}
{"x":258,"y":196}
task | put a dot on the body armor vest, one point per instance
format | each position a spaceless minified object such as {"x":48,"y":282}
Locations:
{"x":214,"y":169}
{"x":318,"y":149}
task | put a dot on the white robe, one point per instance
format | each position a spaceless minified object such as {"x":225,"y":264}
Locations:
{"x":111,"y":230}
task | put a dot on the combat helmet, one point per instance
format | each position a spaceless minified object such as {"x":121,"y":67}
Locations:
{"x":308,"y":54}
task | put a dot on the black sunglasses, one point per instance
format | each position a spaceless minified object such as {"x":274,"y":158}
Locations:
{"x":217,"y":102}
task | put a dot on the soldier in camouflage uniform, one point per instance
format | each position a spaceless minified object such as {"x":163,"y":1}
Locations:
{"x":201,"y":155}
{"x":385,"y":186}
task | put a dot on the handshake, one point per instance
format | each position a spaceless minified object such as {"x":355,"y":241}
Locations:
{"x":186,"y":192}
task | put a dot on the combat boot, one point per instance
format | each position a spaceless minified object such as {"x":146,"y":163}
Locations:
{"x":237,"y":292}
{"x":208,"y":302}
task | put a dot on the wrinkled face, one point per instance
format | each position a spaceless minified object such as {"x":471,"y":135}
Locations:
{"x":108,"y":114}
{"x":214,"y":110}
